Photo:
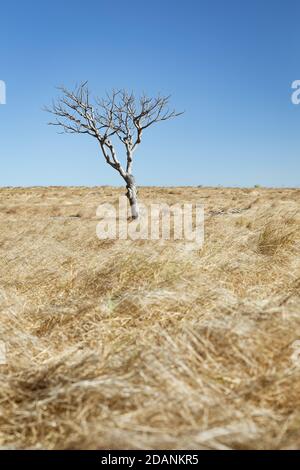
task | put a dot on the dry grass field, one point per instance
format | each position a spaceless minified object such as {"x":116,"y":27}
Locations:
{"x":118,"y":344}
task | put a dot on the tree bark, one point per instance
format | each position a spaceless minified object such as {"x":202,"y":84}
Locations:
{"x":132,"y":196}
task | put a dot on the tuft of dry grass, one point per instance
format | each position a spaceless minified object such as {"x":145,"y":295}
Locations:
{"x":276,"y":236}
{"x":118,"y":344}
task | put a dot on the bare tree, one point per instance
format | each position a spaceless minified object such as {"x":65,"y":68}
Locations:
{"x":119,"y":115}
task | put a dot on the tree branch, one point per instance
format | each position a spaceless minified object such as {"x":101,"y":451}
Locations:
{"x":119,"y":114}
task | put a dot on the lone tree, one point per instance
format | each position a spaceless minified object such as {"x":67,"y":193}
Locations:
{"x":119,"y":115}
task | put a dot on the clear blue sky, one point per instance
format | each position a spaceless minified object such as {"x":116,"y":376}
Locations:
{"x":228,"y":63}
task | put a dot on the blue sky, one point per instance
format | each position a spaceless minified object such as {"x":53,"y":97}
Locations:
{"x":228,"y":64}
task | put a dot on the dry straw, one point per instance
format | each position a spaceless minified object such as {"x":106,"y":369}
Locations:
{"x":146,"y":345}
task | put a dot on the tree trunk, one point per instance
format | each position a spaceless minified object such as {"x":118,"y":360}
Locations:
{"x":132,"y":196}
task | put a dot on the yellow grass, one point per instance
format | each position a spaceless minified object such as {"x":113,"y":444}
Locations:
{"x":114,"y":344}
